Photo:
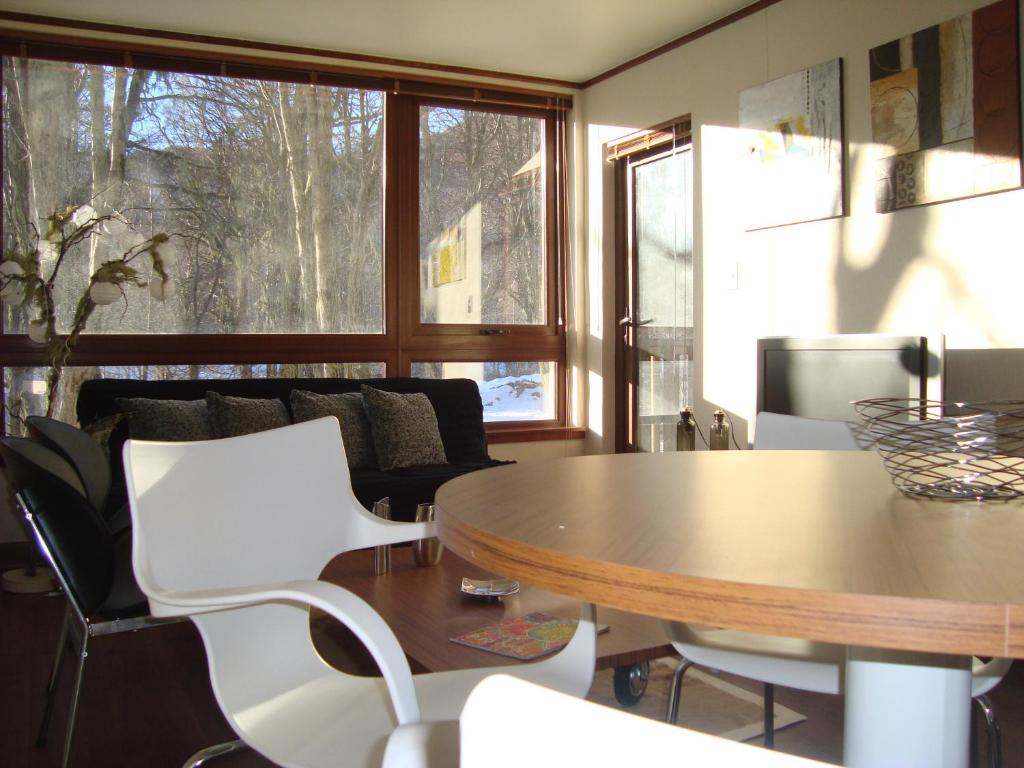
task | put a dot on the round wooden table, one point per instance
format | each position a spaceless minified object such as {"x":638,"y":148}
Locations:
{"x":811,"y":544}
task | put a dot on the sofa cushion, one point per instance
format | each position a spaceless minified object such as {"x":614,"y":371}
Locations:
{"x":233,"y":416}
{"x":456,"y":402}
{"x":171,"y":420}
{"x":460,"y":414}
{"x":347,"y":407}
{"x":404,"y":427}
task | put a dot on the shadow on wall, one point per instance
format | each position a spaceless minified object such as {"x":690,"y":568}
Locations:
{"x":904,"y":288}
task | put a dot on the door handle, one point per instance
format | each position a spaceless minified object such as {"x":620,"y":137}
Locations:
{"x":635,"y":323}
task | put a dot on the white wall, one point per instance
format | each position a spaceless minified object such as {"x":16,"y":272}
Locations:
{"x":952,"y":268}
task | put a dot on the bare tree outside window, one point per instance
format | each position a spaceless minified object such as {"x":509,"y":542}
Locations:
{"x":276,"y":187}
{"x":482,"y":240}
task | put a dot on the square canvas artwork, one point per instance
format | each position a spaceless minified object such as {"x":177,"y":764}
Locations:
{"x":945,"y":110}
{"x":794,"y":133}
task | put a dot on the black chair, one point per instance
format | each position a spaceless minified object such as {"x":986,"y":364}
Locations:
{"x":89,"y":461}
{"x":92,"y":565}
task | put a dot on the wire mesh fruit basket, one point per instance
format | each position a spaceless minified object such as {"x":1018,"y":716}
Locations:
{"x":947,"y":450}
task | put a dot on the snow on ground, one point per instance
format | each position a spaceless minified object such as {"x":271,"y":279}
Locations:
{"x":516,"y":398}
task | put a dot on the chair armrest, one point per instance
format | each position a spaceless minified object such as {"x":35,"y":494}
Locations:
{"x":338,"y":602}
{"x":367,"y":530}
{"x":397,"y":532}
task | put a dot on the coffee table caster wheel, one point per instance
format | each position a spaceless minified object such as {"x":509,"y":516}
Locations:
{"x":631,"y":683}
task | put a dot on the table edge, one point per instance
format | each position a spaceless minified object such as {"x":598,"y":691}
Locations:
{"x":882,"y":621}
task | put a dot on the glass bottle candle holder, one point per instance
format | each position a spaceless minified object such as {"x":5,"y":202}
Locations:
{"x":382,"y":553}
{"x":426,"y":551}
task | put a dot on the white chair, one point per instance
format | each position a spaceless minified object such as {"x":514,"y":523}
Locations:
{"x":791,"y":662}
{"x":554,"y":729}
{"x":234,"y":534}
{"x":779,"y":431}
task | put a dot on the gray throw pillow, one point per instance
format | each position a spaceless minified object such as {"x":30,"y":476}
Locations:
{"x":404,"y":427}
{"x":348,"y":408}
{"x":233,"y":416}
{"x":172,"y":420}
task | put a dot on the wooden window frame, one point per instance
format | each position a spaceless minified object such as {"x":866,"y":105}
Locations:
{"x":418,"y":331}
{"x":404,"y":339}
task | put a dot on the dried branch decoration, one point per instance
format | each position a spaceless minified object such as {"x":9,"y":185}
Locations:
{"x":25,"y":279}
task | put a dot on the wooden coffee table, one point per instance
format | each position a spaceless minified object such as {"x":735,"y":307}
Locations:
{"x":425,"y":608}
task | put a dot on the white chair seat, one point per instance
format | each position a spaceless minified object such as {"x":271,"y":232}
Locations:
{"x":442,"y":695}
{"x":786,"y":661}
{"x":792,"y":662}
{"x":545,"y":727}
{"x":779,"y":431}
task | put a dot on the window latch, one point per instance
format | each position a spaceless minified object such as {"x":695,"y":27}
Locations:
{"x":494,"y":332}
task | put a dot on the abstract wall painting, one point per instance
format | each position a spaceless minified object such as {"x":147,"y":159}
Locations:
{"x":945,"y":110}
{"x":794,"y":132}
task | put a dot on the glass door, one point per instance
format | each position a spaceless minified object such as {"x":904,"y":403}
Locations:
{"x":657,"y":325}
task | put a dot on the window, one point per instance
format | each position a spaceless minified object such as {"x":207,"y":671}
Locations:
{"x":326,"y":222}
{"x":291,"y":245}
{"x":521,"y":391}
{"x":481,"y":217}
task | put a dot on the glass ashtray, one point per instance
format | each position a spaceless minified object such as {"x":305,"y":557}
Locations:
{"x":489,"y":587}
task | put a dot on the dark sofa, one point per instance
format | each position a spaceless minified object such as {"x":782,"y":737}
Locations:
{"x":456,"y":403}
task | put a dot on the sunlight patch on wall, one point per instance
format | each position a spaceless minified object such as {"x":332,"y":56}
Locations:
{"x":978,"y":269}
{"x":771,"y":282}
{"x":923,"y":298}
{"x":595,"y":405}
{"x":577,"y":395}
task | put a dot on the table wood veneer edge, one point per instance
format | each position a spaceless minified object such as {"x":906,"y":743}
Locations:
{"x":919,"y":624}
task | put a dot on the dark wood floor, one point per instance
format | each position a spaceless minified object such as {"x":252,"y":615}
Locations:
{"x":147,"y":698}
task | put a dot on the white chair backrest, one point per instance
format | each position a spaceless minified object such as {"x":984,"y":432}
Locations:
{"x":262,"y":508}
{"x":564,"y":730}
{"x":777,"y":431}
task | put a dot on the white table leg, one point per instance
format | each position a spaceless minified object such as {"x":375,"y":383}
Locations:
{"x":906,"y":709}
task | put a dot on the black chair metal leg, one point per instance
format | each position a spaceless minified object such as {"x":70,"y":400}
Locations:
{"x":672,"y":713}
{"x":995,"y":738}
{"x":769,"y":715}
{"x":217,"y":750}
{"x":58,"y":661}
{"x":76,"y":691}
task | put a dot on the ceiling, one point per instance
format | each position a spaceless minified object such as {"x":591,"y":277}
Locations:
{"x":568,"y":40}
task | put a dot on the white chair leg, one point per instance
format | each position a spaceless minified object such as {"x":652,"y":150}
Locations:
{"x":217,"y":750}
{"x":672,"y":713}
{"x":995,"y":739}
